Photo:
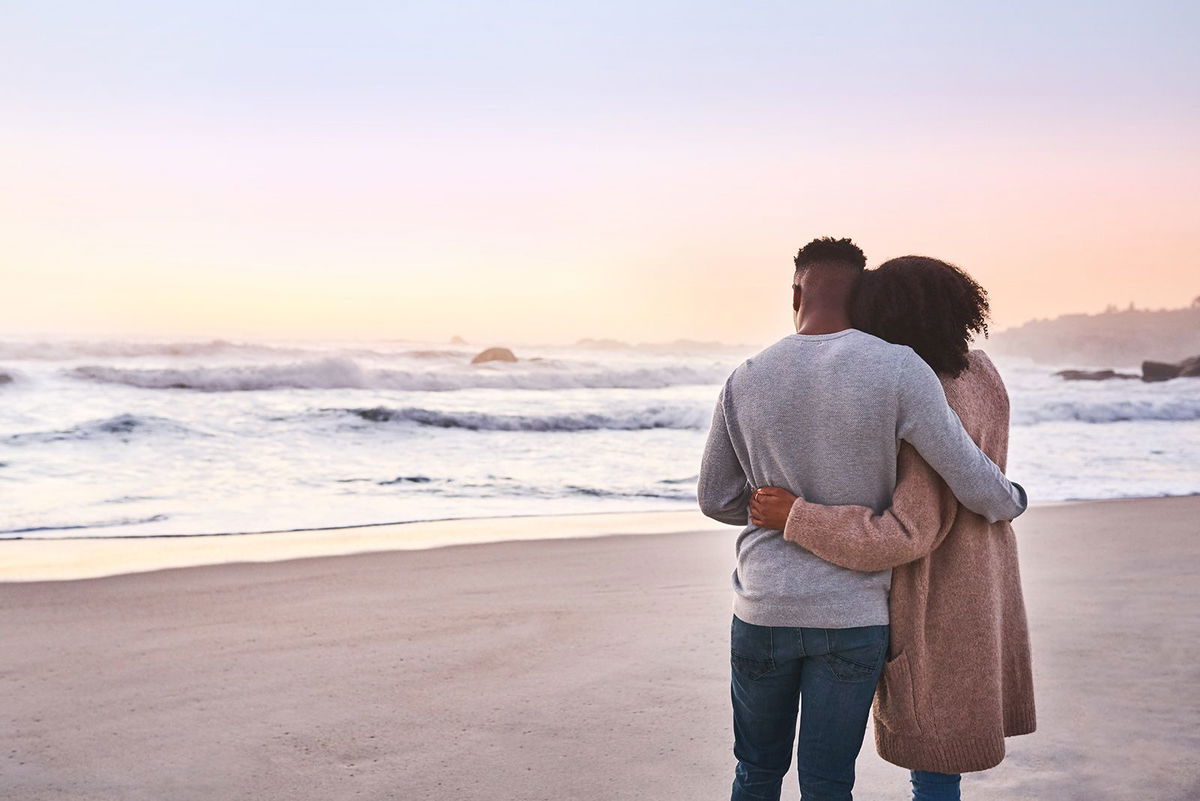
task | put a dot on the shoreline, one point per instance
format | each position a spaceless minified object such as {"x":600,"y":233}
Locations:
{"x":347,"y":526}
{"x":420,"y":521}
{"x":29,"y":559}
{"x":73,"y":558}
{"x":590,"y":668}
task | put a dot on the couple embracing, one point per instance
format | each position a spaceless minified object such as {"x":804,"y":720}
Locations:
{"x":864,"y":457}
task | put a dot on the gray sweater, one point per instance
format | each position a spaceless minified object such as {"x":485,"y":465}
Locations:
{"x":822,"y":416}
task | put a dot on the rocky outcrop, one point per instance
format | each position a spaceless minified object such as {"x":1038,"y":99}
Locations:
{"x":1151,"y":371}
{"x":1093,"y":375}
{"x":1159,"y":371}
{"x":494,"y":355}
{"x":5,"y":378}
{"x":1165,"y":371}
{"x":457,"y":340}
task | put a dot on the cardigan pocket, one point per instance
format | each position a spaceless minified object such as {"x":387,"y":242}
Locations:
{"x":895,"y":700}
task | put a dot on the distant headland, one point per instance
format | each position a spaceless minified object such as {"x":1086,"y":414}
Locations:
{"x":1113,"y":338}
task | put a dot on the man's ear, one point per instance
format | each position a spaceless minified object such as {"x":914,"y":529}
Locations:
{"x":796,"y":292}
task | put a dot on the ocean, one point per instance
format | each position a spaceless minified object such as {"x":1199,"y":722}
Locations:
{"x":146,"y":438}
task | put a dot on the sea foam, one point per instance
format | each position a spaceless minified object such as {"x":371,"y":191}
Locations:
{"x":344,"y":373}
{"x":1107,"y":411}
{"x":674,"y":417}
{"x":120,"y":426}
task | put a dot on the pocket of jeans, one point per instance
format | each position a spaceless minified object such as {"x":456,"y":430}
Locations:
{"x":895,"y":699}
{"x":751,"y":668}
{"x":857,"y":654}
{"x":751,"y":649}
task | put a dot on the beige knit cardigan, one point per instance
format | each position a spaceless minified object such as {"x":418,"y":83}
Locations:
{"x":958,"y":679}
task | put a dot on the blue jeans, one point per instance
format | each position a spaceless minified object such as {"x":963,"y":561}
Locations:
{"x":834,"y":671}
{"x":928,"y":786}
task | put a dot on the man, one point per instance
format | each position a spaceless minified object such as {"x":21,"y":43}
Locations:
{"x":821,"y":413}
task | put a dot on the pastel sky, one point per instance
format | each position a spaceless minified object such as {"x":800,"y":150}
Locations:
{"x":543,"y":171}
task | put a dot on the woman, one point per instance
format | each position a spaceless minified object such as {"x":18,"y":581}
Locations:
{"x":958,"y":678}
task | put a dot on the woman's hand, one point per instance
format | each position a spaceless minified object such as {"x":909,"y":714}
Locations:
{"x":769,"y":507}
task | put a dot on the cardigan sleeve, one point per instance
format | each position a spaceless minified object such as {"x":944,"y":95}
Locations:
{"x":920,"y":517}
{"x":924,"y":419}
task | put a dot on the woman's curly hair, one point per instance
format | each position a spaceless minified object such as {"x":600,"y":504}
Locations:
{"x":929,"y":305}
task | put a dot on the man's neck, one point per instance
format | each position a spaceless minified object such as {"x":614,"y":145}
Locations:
{"x":823,"y":323}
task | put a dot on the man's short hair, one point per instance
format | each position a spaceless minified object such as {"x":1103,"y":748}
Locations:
{"x":829,"y":252}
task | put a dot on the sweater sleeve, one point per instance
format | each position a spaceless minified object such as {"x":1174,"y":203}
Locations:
{"x":854,"y":537}
{"x":723,"y":490}
{"x":924,"y":419}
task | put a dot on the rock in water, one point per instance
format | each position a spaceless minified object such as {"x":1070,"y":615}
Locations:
{"x":1159,"y":371}
{"x":1190,"y":368}
{"x":457,"y":340}
{"x":494,"y":355}
{"x":1092,"y":375}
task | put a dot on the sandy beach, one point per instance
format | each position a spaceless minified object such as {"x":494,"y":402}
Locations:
{"x":591,"y":668}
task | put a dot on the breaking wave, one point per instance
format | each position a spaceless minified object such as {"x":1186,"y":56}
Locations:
{"x":675,"y":417}
{"x":344,"y":373}
{"x":121,"y":426}
{"x":1111,"y":411}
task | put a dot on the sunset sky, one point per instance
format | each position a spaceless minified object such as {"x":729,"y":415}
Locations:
{"x":520,"y":172}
